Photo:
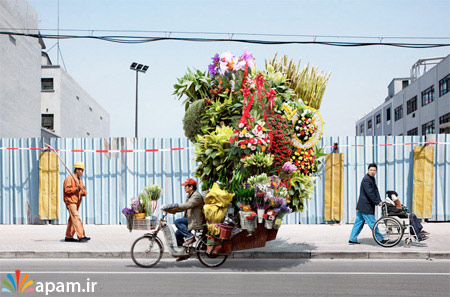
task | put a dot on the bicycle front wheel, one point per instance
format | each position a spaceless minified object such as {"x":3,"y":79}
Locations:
{"x":146,"y":251}
{"x":208,"y":259}
{"x":391,"y":229}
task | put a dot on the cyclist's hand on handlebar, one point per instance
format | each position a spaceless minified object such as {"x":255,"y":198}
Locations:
{"x":380,"y":204}
{"x":169,"y":206}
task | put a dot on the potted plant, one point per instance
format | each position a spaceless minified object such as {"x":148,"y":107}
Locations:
{"x":129,"y":214}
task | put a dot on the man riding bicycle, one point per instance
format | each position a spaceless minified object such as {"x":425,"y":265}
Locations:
{"x":193,"y":219}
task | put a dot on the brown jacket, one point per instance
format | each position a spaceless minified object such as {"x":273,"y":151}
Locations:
{"x":71,"y":192}
{"x":194,"y":211}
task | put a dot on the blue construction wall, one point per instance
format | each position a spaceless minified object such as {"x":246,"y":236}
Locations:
{"x":112,"y":179}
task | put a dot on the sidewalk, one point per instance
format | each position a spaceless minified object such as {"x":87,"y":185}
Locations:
{"x":293,"y":241}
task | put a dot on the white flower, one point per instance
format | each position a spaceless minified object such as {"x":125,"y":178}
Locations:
{"x":241,"y":135}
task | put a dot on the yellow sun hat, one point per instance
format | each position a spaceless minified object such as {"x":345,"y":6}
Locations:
{"x":79,"y":165}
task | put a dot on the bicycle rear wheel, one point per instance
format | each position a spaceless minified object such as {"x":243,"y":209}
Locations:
{"x":392,"y":230}
{"x":208,"y":259}
{"x":147,"y":251}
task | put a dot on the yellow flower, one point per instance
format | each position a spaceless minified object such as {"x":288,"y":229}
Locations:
{"x":244,"y":131}
{"x":243,"y":146}
{"x":263,"y":148}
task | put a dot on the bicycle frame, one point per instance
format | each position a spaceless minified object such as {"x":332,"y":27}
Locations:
{"x":170,"y":238}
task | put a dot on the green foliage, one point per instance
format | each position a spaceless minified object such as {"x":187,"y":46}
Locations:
{"x":243,"y":195}
{"x":302,"y":187}
{"x":154,"y":192}
{"x":217,"y":114}
{"x":195,"y":85}
{"x":258,"y":179}
{"x":192,"y":121}
{"x":258,"y":163}
{"x":212,"y":152}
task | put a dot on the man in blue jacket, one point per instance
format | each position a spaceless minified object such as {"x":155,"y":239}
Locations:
{"x":369,"y":197}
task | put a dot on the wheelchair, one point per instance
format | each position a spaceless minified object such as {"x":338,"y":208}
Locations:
{"x":393,"y":228}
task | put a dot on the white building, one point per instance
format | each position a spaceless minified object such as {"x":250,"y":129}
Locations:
{"x":416,"y":105}
{"x":67,"y":109}
{"x":20,"y":72}
{"x":38,"y":99}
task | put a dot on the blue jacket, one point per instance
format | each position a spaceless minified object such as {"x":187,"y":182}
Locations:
{"x":369,"y":196}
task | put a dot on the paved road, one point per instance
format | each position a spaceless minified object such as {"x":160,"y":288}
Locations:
{"x":347,"y":278}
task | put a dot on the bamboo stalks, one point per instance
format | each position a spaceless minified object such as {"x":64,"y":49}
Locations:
{"x":308,"y":83}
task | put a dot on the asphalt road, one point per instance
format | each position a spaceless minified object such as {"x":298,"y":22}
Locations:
{"x":250,"y":277}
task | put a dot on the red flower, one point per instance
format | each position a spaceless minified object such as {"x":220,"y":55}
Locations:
{"x":249,"y":127}
{"x":259,"y":128}
{"x":246,"y":141}
{"x":252,"y":119}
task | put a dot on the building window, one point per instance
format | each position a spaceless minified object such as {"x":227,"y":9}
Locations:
{"x":361,"y":128}
{"x":47,"y":121}
{"x":428,"y":128}
{"x":445,"y":118}
{"x":414,"y":131}
{"x":388,"y":114}
{"x":47,"y":84}
{"x":405,"y":83}
{"x":398,"y":113}
{"x":378,"y":119}
{"x":411,"y":105}
{"x":369,"y":124}
{"x":428,"y":96}
{"x":443,"y":85}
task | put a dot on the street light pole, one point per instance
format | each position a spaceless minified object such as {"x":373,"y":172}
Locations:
{"x":138,"y":68}
{"x":136,"y":118}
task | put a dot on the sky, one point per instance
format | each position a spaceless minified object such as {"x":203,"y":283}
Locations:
{"x":359,"y":76}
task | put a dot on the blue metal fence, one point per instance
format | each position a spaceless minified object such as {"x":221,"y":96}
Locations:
{"x":112,"y":179}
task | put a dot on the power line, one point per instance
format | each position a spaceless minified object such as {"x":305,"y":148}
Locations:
{"x":168,"y":33}
{"x":147,"y":39}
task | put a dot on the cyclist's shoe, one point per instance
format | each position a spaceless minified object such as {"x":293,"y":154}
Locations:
{"x":189,"y":241}
{"x":179,"y":259}
{"x":70,"y":239}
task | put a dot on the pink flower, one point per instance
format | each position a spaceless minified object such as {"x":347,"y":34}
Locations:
{"x":241,"y":125}
{"x":247,"y":135}
{"x":241,"y":135}
{"x":253,"y":148}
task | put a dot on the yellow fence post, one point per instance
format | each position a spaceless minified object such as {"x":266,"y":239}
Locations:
{"x":48,"y":186}
{"x":423,"y":181}
{"x":334,"y":187}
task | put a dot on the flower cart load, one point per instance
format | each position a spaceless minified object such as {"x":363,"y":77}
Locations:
{"x":255,"y":134}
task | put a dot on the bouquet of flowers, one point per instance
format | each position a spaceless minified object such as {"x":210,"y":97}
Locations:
{"x":250,"y":136}
{"x":305,"y":127}
{"x":129,"y":214}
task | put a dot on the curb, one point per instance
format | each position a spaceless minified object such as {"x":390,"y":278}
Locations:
{"x":238,"y":255}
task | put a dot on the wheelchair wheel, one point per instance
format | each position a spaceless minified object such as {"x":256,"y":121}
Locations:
{"x":391,"y":229}
{"x":408,"y":242}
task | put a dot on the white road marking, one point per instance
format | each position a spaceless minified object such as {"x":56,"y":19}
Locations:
{"x":244,"y":272}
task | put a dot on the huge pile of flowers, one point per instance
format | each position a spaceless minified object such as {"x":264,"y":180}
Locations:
{"x":253,"y":132}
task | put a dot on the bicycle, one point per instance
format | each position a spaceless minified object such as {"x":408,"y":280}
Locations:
{"x":148,"y":249}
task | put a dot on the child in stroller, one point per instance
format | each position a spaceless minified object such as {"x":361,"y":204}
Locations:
{"x":395,"y":208}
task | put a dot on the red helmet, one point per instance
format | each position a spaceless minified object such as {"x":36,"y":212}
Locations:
{"x":190,"y":182}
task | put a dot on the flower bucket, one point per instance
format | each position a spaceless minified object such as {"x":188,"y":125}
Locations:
{"x":260,"y":213}
{"x":268,"y":224}
{"x":225,"y":232}
{"x":129,"y":222}
{"x":247,"y":224}
{"x":140,"y":215}
{"x":277,"y":223}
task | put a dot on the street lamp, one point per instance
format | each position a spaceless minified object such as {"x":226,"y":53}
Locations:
{"x":138,"y":68}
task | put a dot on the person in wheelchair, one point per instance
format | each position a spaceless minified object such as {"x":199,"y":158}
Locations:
{"x":395,"y":208}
